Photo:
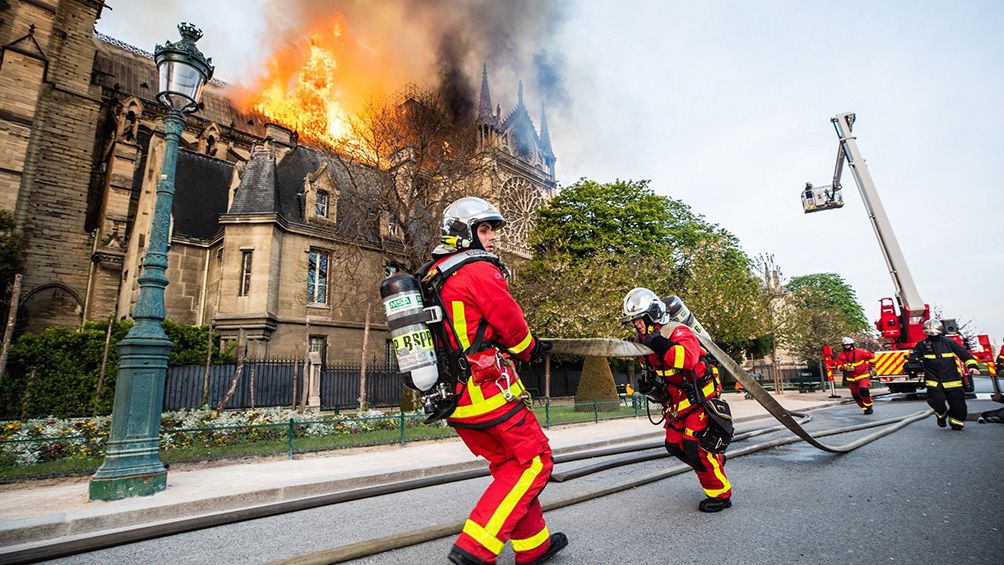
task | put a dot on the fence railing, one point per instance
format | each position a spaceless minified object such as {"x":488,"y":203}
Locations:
{"x":272,"y":382}
{"x":67,"y":455}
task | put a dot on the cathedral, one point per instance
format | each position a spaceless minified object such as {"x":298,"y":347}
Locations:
{"x":270,"y":236}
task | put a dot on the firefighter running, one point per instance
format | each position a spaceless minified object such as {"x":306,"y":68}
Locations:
{"x":491,"y":415}
{"x":937,"y":354}
{"x":682,"y":380}
{"x":856,"y":364}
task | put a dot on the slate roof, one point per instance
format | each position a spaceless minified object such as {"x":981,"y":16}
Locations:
{"x":268,"y":187}
{"x":200,"y":194}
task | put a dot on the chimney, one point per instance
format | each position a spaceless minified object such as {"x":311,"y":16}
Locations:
{"x":282,"y":136}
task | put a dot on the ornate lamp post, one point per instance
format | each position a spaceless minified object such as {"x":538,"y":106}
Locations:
{"x":132,"y":465}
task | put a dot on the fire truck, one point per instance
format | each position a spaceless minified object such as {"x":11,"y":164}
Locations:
{"x":901,"y":321}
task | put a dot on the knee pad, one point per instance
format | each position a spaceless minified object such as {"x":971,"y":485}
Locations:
{"x":690,"y":449}
{"x":675,"y":451}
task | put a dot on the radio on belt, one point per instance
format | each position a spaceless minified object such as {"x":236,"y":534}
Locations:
{"x":407,"y":319}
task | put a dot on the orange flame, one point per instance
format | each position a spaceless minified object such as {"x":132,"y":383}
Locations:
{"x":317,"y":87}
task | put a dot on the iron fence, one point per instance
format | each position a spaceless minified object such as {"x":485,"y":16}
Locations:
{"x":36,"y":457}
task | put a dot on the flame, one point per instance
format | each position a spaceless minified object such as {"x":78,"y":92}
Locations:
{"x":317,"y":86}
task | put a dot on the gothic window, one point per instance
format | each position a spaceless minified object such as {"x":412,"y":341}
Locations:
{"x":321,"y":209}
{"x":520,"y":200}
{"x":245,"y":282}
{"x":317,"y":277}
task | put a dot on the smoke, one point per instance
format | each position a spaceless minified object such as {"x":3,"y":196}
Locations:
{"x":443,"y":43}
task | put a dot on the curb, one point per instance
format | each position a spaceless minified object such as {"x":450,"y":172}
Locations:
{"x":55,"y":525}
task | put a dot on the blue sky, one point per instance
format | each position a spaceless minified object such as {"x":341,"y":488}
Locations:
{"x":726,"y":106}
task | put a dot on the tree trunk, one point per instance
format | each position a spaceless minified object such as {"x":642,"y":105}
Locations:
{"x":242,"y":351}
{"x":15,"y":296}
{"x":104,"y":363}
{"x":362,"y":363}
{"x":209,"y":361}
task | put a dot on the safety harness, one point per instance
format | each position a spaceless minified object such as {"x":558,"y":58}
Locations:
{"x":454,"y":366}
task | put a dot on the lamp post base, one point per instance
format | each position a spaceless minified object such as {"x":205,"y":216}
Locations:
{"x":117,"y":488}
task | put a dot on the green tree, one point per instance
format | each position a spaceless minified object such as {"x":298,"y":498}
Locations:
{"x":834,"y":292}
{"x":594,"y":242}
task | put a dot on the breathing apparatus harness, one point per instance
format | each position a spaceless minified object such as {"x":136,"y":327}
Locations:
{"x":717,"y":435}
{"x":456,"y":364}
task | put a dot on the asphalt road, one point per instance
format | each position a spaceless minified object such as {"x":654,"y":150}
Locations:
{"x":920,"y":495}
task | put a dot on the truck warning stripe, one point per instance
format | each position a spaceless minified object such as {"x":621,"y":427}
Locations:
{"x":889,"y":363}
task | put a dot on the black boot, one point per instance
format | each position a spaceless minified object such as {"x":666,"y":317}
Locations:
{"x":957,"y":427}
{"x":869,"y":411}
{"x":458,"y":556}
{"x":558,"y":542}
{"x":714,"y":504}
{"x":942,"y":420}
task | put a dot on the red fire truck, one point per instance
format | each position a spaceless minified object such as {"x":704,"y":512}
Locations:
{"x":901,"y":321}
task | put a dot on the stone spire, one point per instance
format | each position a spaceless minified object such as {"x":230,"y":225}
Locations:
{"x":485,"y":104}
{"x":520,"y":97}
{"x":545,"y":135}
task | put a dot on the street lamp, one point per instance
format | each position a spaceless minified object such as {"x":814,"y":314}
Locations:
{"x":132,"y":465}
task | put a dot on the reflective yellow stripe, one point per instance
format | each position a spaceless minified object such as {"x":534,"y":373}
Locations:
{"x":726,"y":486}
{"x":667,"y":372}
{"x":521,"y":346}
{"x":480,"y":535}
{"x":947,"y":355}
{"x":971,"y":363}
{"x":955,"y":422}
{"x":707,"y":390}
{"x":460,"y":324}
{"x":485,"y":405}
{"x":474,"y":390}
{"x":678,"y":354}
{"x":930,"y":357}
{"x":858,"y":364}
{"x":532,"y":542}
{"x":952,"y":384}
{"x":688,"y":432}
{"x":931,"y":383}
{"x":494,"y":525}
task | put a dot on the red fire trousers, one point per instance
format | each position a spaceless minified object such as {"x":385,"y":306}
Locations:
{"x":860,"y":391}
{"x":520,"y":463}
{"x":680,"y":441}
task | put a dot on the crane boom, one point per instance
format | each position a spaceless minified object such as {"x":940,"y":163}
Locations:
{"x":906,"y":290}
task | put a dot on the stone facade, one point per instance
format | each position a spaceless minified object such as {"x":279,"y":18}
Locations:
{"x":269,"y":237}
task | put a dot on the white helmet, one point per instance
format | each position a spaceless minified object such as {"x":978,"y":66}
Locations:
{"x":847,"y":341}
{"x":642,"y":302}
{"x":933,"y":328}
{"x":460,"y":220}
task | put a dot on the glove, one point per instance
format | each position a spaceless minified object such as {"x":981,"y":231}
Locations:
{"x":974,"y":372}
{"x":540,"y":349}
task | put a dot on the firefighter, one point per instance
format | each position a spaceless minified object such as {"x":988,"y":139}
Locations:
{"x":491,"y":416}
{"x":682,"y":378}
{"x":856,"y":363}
{"x":1000,"y":360}
{"x":937,"y":354}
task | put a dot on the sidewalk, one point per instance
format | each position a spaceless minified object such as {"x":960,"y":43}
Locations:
{"x":54,"y":509}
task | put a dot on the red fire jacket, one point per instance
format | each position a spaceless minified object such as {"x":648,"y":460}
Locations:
{"x":858,"y":359}
{"x":680,"y":363}
{"x":477,"y":291}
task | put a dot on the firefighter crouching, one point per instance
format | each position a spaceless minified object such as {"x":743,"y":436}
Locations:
{"x":936,"y":353}
{"x":491,"y":415}
{"x":856,"y":364}
{"x":680,"y":378}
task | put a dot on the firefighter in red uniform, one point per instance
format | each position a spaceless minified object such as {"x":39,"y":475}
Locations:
{"x":1000,"y":360}
{"x":680,"y":368}
{"x":856,"y":364}
{"x":491,"y":416}
{"x":937,"y":353}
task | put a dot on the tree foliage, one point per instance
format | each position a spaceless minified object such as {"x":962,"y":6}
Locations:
{"x":818,"y":310}
{"x":10,"y":256}
{"x":56,"y":372}
{"x":596,"y":241}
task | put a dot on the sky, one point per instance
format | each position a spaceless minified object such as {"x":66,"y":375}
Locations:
{"x":726,"y":106}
